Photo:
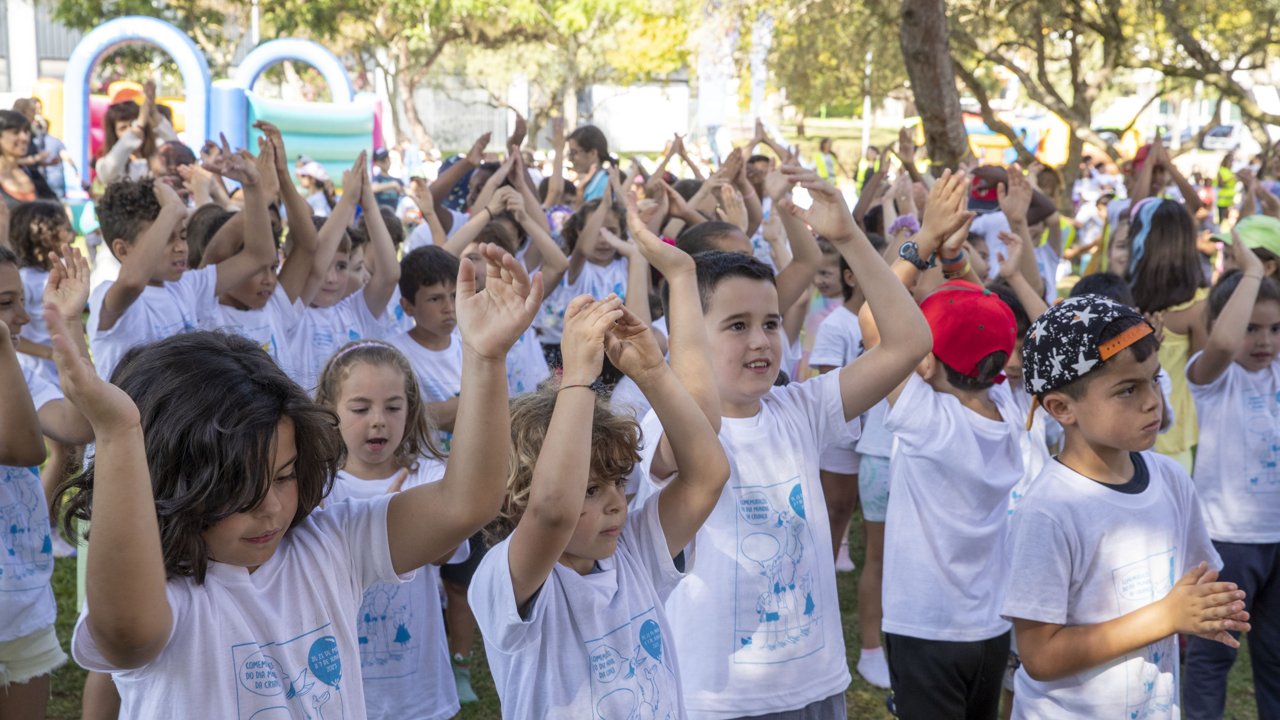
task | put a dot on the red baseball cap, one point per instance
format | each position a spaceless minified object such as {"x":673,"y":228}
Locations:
{"x":1140,"y":157}
{"x":968,"y":323}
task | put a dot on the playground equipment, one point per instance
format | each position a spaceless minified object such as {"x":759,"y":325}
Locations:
{"x":330,"y":133}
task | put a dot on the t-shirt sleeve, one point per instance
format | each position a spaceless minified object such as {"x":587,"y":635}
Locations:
{"x":1199,"y":546}
{"x":42,"y":391}
{"x":198,"y":289}
{"x":1040,"y":569}
{"x":817,"y":404}
{"x":364,"y":321}
{"x":831,"y":345}
{"x":360,"y":528}
{"x":493,"y":602}
{"x":87,"y":654}
{"x":645,"y":538}
{"x":1213,"y":389}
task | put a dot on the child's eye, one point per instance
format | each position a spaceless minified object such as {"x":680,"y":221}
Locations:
{"x":1127,"y":390}
{"x":738,"y":326}
{"x":592,"y":490}
{"x":770,"y":324}
{"x":283,"y":479}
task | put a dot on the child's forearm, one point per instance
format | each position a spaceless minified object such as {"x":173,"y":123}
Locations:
{"x":1032,"y":302}
{"x":21,"y":444}
{"x":690,"y":347}
{"x":259,"y":249}
{"x":1228,"y":333}
{"x":149,"y":249}
{"x":128,"y":612}
{"x":328,"y":239}
{"x":1027,"y":265}
{"x":638,"y":288}
{"x":386,"y":268}
{"x":793,"y":281}
{"x":554,"y":262}
{"x":456,"y":243}
{"x":1052,"y":652}
{"x":699,"y":459}
{"x":303,"y":241}
{"x":34,"y":349}
{"x":755,"y":212}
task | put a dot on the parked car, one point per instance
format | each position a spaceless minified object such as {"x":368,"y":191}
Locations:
{"x":1231,"y":138}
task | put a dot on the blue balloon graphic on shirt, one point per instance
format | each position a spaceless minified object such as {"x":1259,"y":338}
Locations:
{"x":324,"y":661}
{"x":651,"y":639}
{"x":797,"y":500}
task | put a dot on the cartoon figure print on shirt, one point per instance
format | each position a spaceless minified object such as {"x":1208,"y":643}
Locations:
{"x":27,"y":553}
{"x":388,"y":646}
{"x":1151,"y":688}
{"x":1263,"y":470}
{"x":295,"y":679}
{"x":776,"y":615}
{"x":630,"y":679}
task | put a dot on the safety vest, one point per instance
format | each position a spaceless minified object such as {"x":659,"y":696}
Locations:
{"x":1226,"y":186}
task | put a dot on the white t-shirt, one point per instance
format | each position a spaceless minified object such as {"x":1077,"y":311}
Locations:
{"x":875,"y":438}
{"x":280,"y":642}
{"x":26,"y":549}
{"x":398,"y":320}
{"x":404,"y":654}
{"x":421,"y":235}
{"x":989,"y":225}
{"x":33,"y":282}
{"x":439,"y":372}
{"x":759,"y":246}
{"x":760,"y":602}
{"x":321,"y":331}
{"x":1034,"y":444}
{"x":270,"y":327}
{"x":161,"y":311}
{"x":837,"y":343}
{"x":594,"y":280}
{"x":591,"y":646}
{"x":950,"y":477}
{"x":526,"y":365}
{"x":1084,"y":554}
{"x":1237,"y":470}
{"x":319,"y":204}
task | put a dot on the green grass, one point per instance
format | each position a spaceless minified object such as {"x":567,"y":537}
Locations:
{"x":864,"y":701}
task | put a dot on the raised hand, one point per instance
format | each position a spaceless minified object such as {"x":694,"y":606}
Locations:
{"x":1010,"y":259}
{"x":1199,"y":605}
{"x":632,"y":347}
{"x":197,"y":181}
{"x":667,"y":259}
{"x":236,"y":166}
{"x":492,"y":319}
{"x":353,"y":178}
{"x":1016,"y":198}
{"x":518,"y":132}
{"x":267,"y":165}
{"x":680,"y":207}
{"x":67,"y":289}
{"x":906,"y":146}
{"x":945,"y":211}
{"x":167,"y":196}
{"x":1245,"y":259}
{"x":777,"y":185}
{"x":277,"y":144}
{"x":475,"y":156}
{"x":106,"y":407}
{"x":586,"y":321}
{"x":733,"y":209}
{"x":829,"y":216}
{"x":620,"y":245}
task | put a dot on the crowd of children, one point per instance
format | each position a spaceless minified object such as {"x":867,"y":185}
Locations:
{"x":620,"y":424}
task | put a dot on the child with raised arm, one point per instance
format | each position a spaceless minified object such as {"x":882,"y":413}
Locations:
{"x":33,"y":408}
{"x":1105,"y":532}
{"x":332,"y":316}
{"x":207,"y":541}
{"x":404,"y":658}
{"x":154,"y":295}
{"x":577,"y":585}
{"x":1235,"y":382}
{"x":763,"y":560}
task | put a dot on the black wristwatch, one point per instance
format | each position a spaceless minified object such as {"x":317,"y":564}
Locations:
{"x":910,"y":252}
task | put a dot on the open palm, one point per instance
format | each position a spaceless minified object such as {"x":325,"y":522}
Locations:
{"x":493,"y":319}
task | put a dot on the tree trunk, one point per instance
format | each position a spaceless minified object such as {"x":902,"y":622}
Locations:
{"x":1070,"y":173}
{"x":927,"y":55}
{"x":405,"y":84}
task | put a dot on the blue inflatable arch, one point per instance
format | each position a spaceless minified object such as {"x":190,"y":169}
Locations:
{"x":123,"y":31}
{"x":276,"y":51}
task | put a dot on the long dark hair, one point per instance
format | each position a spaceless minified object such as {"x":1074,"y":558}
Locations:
{"x":590,"y":137}
{"x":1169,"y":272}
{"x":209,"y":453}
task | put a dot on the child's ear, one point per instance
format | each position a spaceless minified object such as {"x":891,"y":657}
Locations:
{"x":407,"y":305}
{"x":927,"y":367}
{"x":849,"y":278}
{"x":1060,"y":407}
{"x":1269,"y":268}
{"x":119,"y":248}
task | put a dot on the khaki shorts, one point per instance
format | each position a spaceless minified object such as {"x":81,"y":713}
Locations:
{"x":30,"y":656}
